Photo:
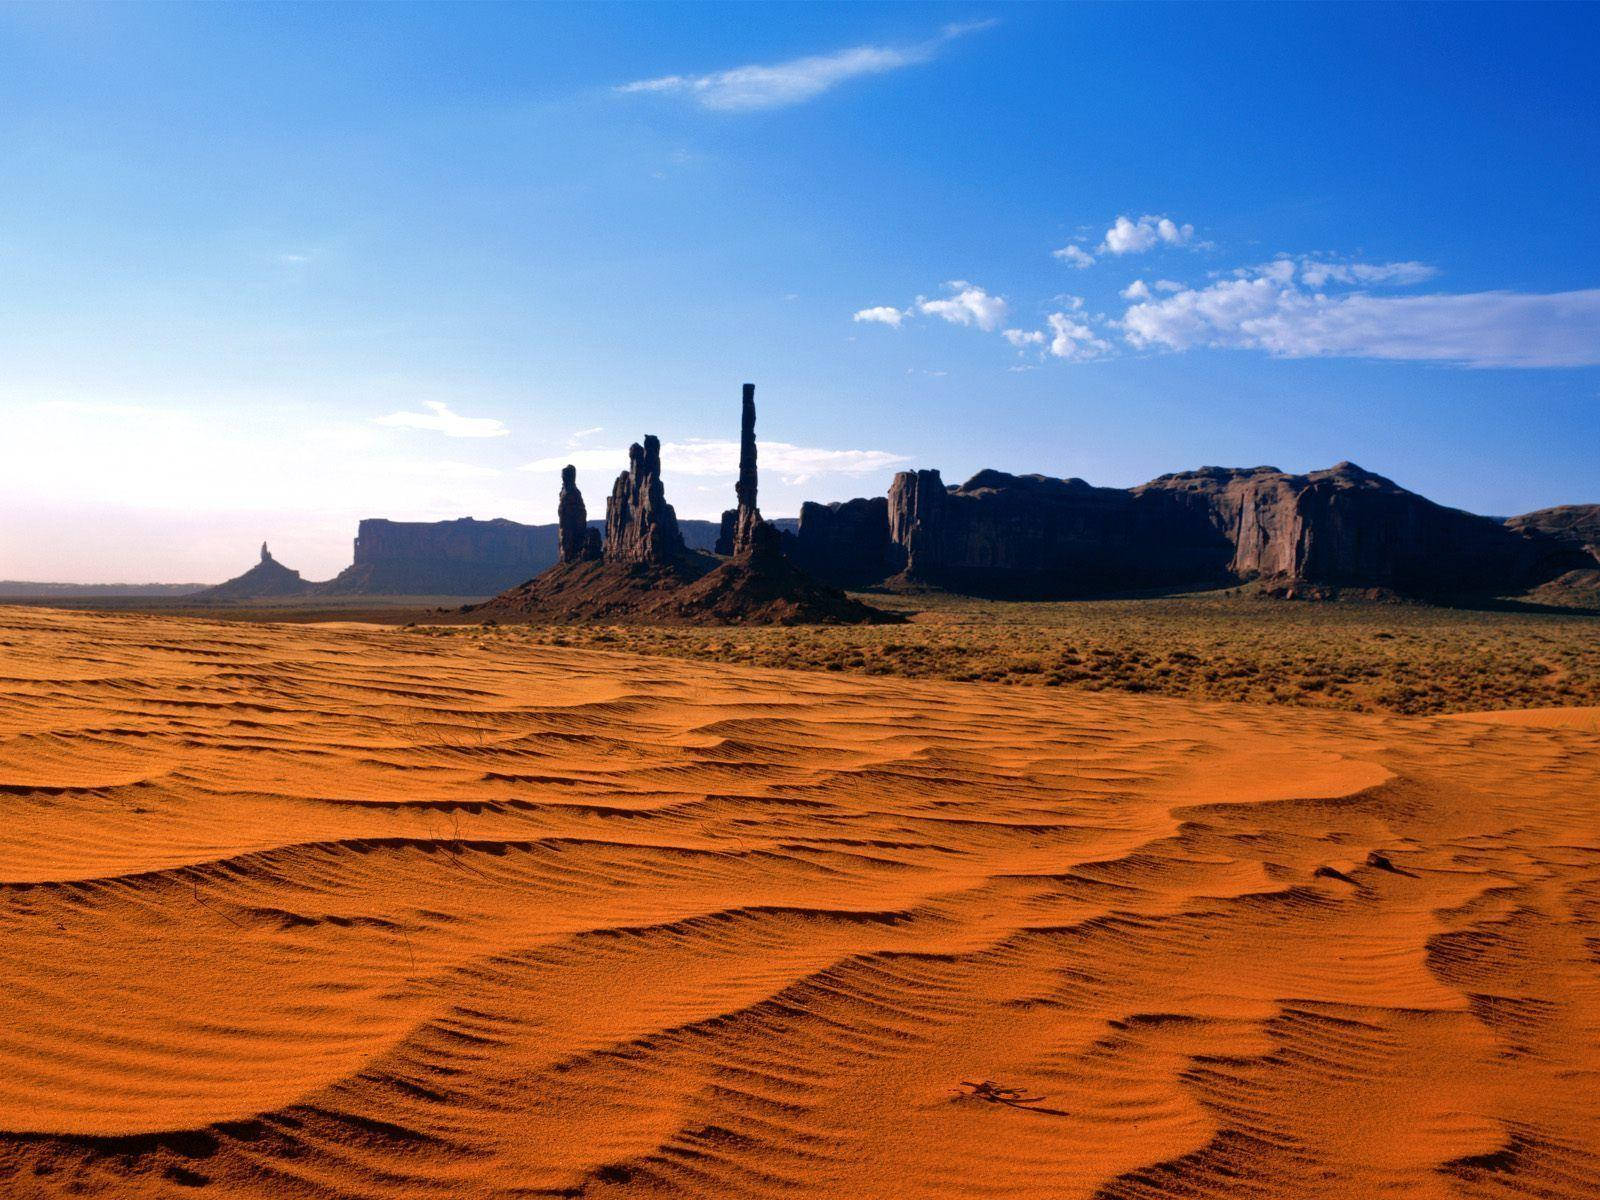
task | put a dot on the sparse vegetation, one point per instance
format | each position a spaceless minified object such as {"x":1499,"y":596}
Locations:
{"x":1354,"y":656}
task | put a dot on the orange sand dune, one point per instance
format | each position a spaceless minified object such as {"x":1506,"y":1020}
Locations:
{"x":360,"y":912}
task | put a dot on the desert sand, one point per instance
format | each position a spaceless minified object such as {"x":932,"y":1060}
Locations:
{"x":350,"y":911}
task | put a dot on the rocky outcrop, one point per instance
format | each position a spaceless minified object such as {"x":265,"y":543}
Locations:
{"x":267,"y":580}
{"x":1035,"y":536}
{"x":572,"y":519}
{"x":641,"y":527}
{"x":1576,"y":526}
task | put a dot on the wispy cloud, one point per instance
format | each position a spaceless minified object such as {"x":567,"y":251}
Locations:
{"x":442,"y":420}
{"x":775,"y":85}
{"x":706,"y":458}
{"x":1280,"y":310}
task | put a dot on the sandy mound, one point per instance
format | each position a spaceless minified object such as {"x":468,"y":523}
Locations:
{"x":359,"y":912}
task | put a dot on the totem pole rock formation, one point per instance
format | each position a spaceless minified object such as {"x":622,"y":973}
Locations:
{"x":576,"y":542}
{"x":647,"y":572}
{"x":641,"y":527}
{"x":266,"y":555}
{"x":748,"y":515}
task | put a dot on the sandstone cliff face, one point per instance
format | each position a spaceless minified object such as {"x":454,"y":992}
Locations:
{"x":641,"y":527}
{"x":1347,"y":527}
{"x":846,"y":542}
{"x":1032,"y":535}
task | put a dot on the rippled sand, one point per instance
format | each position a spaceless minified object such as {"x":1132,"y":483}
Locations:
{"x":326,"y":911}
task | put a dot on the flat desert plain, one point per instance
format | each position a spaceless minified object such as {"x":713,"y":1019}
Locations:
{"x":350,"y":911}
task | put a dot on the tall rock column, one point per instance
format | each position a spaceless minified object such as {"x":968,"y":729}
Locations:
{"x":641,"y":527}
{"x":572,"y":519}
{"x":749,"y":516}
{"x":917,"y":504}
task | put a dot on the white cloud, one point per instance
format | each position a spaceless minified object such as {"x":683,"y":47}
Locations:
{"x":748,"y":88}
{"x":1316,"y":272}
{"x":1074,"y":256}
{"x":883,"y":314}
{"x":1168,"y":285}
{"x":707,"y":458}
{"x":1272,"y":313}
{"x":1129,"y":236}
{"x":442,"y":420}
{"x":1137,"y":290}
{"x":1023,"y":338}
{"x":1072,"y":339}
{"x":970,"y":305}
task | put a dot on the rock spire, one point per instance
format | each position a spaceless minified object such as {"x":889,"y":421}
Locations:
{"x":747,"y":515}
{"x":641,"y":527}
{"x":576,"y":542}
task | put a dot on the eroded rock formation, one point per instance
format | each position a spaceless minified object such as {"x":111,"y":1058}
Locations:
{"x":1033,"y":535}
{"x":641,"y":527}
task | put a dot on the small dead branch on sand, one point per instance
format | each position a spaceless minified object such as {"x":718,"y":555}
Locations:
{"x":994,"y":1093}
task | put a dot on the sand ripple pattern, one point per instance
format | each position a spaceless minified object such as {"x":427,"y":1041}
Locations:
{"x":347,"y":912}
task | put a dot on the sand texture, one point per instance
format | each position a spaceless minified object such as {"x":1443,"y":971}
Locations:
{"x":346,"y":911}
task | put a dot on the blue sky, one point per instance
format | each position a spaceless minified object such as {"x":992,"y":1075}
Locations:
{"x":267,"y":270}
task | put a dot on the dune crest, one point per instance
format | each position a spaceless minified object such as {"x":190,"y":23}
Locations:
{"x":349,"y":911}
